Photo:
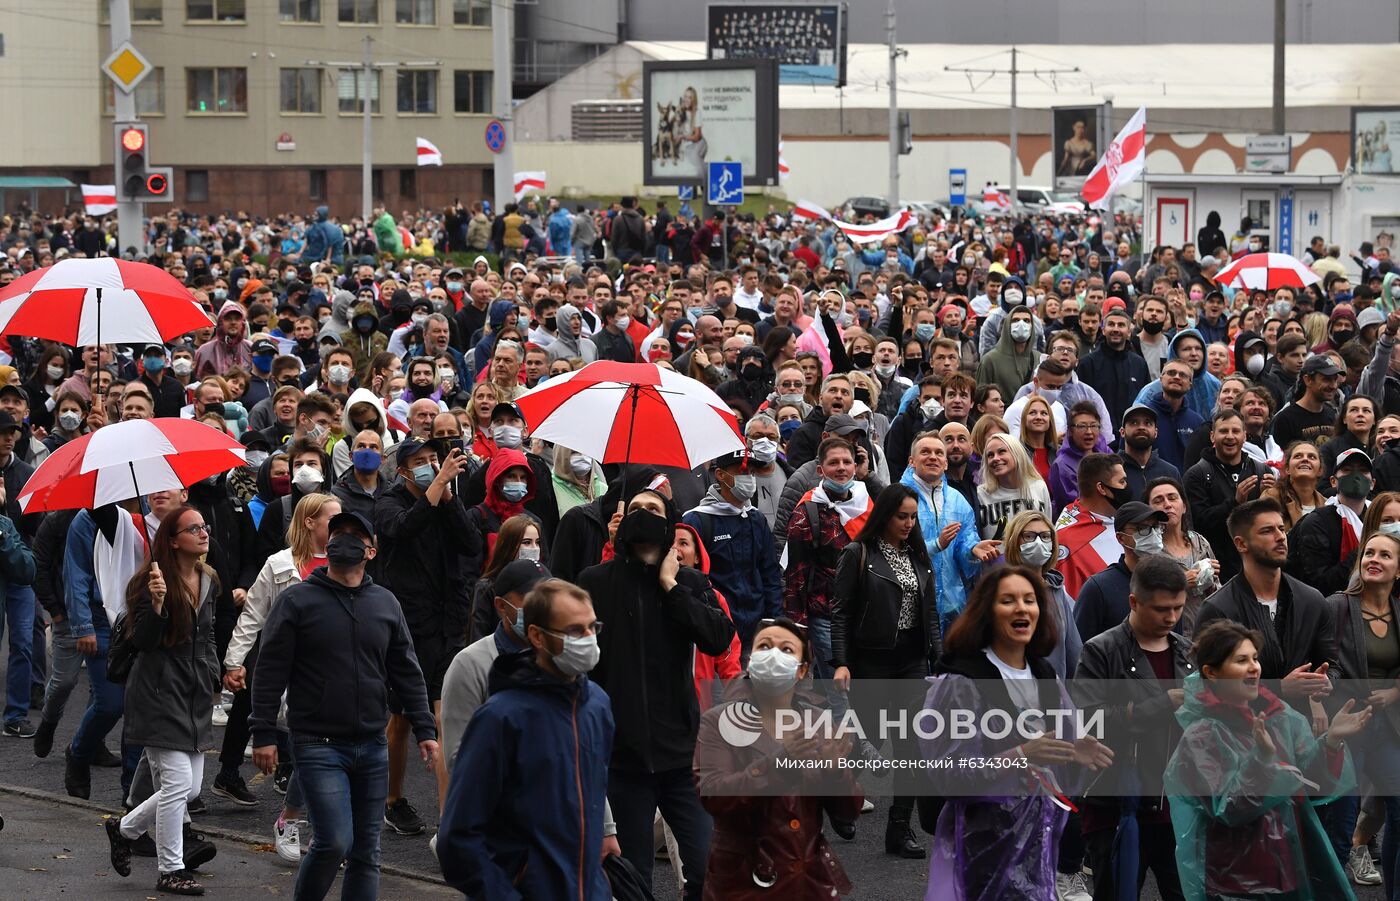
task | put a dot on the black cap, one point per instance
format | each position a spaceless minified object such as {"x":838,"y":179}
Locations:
{"x":1134,"y":512}
{"x":519,"y":576}
{"x":410,"y":446}
{"x":254,"y":438}
{"x":1321,"y":364}
{"x":154,"y":350}
{"x":350,"y":518}
{"x":7,"y":421}
{"x":841,"y":424}
{"x":455,"y":270}
{"x":506,"y":408}
{"x":264,"y":346}
{"x":16,"y":390}
{"x":733,"y":458}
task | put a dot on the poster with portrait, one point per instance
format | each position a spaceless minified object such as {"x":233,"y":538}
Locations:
{"x":1374,"y":132}
{"x":1074,"y":144}
{"x":809,"y":42}
{"x":698,"y":112}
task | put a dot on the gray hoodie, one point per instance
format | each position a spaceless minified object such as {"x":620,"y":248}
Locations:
{"x":566,"y":346}
{"x":339,"y":321}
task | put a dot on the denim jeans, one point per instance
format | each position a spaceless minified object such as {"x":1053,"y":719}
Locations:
{"x":19,"y":617}
{"x":1376,"y":758}
{"x":583,"y":252}
{"x":66,"y":665}
{"x":345,"y":785}
{"x":663,"y":253}
{"x":105,"y":705}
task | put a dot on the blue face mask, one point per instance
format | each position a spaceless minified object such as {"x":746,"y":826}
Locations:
{"x":263,"y":363}
{"x":514,"y":491}
{"x":454,"y":287}
{"x":424,"y":474}
{"x":154,"y":364}
{"x":786,"y":429}
{"x":695,"y":313}
{"x":831,"y":486}
{"x":518,"y":627}
{"x":925,"y":331}
{"x":368,"y":460}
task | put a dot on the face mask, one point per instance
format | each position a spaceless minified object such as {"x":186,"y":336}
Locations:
{"x":683,"y":339}
{"x":695,"y":312}
{"x":644,"y":527}
{"x":1254,"y":365}
{"x":925,"y":331}
{"x":55,"y":372}
{"x":580,"y":465}
{"x":969,"y":261}
{"x":1341,"y":337}
{"x":1254,"y":246}
{"x":1051,"y":395}
{"x":763,"y":450}
{"x":454,"y":287}
{"x":1355,"y":485}
{"x":262,"y":364}
{"x":285,"y":325}
{"x":70,"y":420}
{"x":156,"y":364}
{"x":308,"y":478}
{"x":221,"y":294}
{"x":345,"y":551}
{"x":339,"y":374}
{"x":423,"y":475}
{"x":419,"y":318}
{"x":744,"y":486}
{"x":1036,"y":552}
{"x":281,"y":485}
{"x":787,"y":429}
{"x":367,"y":459}
{"x":506,"y":435}
{"x":1120,"y":496}
{"x":793,"y":399}
{"x":773,"y":671}
{"x":514,"y":491}
{"x":745,"y":339}
{"x":1196,"y":296}
{"x":528,"y":553}
{"x":931,"y":408}
{"x":1011,"y":297}
{"x":256,"y":458}
{"x":1390,"y":528}
{"x":1155,"y":328}
{"x":833,"y":487}
{"x":1148,"y":542}
{"x":182,"y":367}
{"x":885,"y":370}
{"x":447,"y":374}
{"x":622,"y":322}
{"x":1020,"y":331}
{"x":578,"y":656}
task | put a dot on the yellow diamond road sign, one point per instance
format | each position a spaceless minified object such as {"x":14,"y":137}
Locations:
{"x":126,"y":67}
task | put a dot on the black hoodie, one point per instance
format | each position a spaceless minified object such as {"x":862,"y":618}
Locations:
{"x":336,"y":651}
{"x":583,"y":531}
{"x":1210,"y":238}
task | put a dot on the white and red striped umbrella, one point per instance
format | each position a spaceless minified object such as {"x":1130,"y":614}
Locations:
{"x":1267,"y":271}
{"x":128,"y":459}
{"x":632,"y":412}
{"x":88,"y":301}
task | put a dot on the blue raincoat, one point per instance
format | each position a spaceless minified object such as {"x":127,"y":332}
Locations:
{"x":954,"y":567}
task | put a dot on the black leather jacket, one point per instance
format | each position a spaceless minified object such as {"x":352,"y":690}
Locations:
{"x":865,"y":608}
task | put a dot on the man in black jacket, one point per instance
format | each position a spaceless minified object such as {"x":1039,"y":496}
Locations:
{"x":1146,"y":659}
{"x":1114,"y":369}
{"x":425,"y":537}
{"x":1322,"y":546}
{"x":1224,"y":477}
{"x":1300,"y":641}
{"x":337,"y":644}
{"x":836,"y":397}
{"x":628,"y":235}
{"x":660,"y":613}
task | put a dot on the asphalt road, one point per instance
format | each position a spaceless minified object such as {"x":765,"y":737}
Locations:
{"x":50,"y":848}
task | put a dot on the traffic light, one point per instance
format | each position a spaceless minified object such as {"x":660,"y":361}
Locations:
{"x":136,"y":178}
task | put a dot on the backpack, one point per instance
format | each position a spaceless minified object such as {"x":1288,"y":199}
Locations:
{"x":121,"y":652}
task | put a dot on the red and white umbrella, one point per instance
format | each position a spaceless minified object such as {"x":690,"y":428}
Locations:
{"x":128,"y":459}
{"x":632,"y":413}
{"x":1267,"y":271}
{"x":86,"y":301}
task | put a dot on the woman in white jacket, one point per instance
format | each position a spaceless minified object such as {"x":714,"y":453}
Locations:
{"x":306,"y":538}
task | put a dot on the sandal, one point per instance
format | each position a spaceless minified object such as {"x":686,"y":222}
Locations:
{"x":121,"y":847}
{"x":180,"y":882}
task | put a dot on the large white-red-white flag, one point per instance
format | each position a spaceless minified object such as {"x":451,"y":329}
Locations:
{"x":99,"y":200}
{"x":858,"y":232}
{"x":1122,"y":162}
{"x":783,"y":170}
{"x":525,"y":182}
{"x":992,"y":197}
{"x":428,"y":154}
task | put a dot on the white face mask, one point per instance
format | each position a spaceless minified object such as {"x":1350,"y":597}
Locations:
{"x":257,"y":458}
{"x":580,"y":465}
{"x":578,"y":656}
{"x":55,"y":372}
{"x":1020,"y":331}
{"x":528,"y":553}
{"x":773,"y":671}
{"x":764,"y":450}
{"x":622,"y":322}
{"x":182,"y":366}
{"x":885,"y":370}
{"x":307,"y":478}
{"x":1036,"y":552}
{"x":931,"y":408}
{"x":339,"y":374}
{"x":69,"y":420}
{"x":506,"y":435}
{"x":1148,"y":542}
{"x":447,"y":373}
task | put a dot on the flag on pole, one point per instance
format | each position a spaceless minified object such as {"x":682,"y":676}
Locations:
{"x":525,"y":182}
{"x":1122,"y":162}
{"x":428,"y":154}
{"x":783,"y":170}
{"x":99,"y":199}
{"x":995,"y":198}
{"x":807,"y":210}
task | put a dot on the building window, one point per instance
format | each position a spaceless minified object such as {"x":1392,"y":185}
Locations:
{"x":415,"y":12}
{"x":350,"y":91}
{"x":301,"y":91}
{"x":418,"y":91}
{"x":150,"y":95}
{"x":376,"y":184}
{"x":217,"y":90}
{"x":196,"y":185}
{"x":299,"y":11}
{"x":318,"y":184}
{"x":471,"y":91}
{"x":472,"y":12}
{"x":359,"y":12}
{"x":216,"y":10}
{"x":408,"y":184}
{"x":144,"y":11}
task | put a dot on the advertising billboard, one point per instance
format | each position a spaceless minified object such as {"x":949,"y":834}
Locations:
{"x":1374,"y":130}
{"x":809,"y":42}
{"x":696,"y":113}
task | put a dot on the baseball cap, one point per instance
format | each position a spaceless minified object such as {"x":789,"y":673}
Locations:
{"x":733,"y":458}
{"x":410,"y":446}
{"x":16,"y":390}
{"x":506,"y":408}
{"x":1350,"y":455}
{"x":453,"y":271}
{"x":253,"y":438}
{"x":8,"y":422}
{"x":351,"y":519}
{"x":1321,"y":364}
{"x":519,"y":576}
{"x":1134,"y":512}
{"x":1369,"y":316}
{"x":841,"y":424}
{"x":264,"y":346}
{"x":153,"y":350}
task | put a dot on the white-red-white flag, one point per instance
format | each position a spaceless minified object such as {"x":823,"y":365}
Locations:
{"x":783,"y":170}
{"x":428,"y":154}
{"x":858,"y":232}
{"x":1122,"y":162}
{"x":993,"y":198}
{"x":525,"y":182}
{"x":99,"y":200}
{"x":805,"y":209}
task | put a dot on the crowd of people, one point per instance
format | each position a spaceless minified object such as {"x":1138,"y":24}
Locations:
{"x":981,"y":452}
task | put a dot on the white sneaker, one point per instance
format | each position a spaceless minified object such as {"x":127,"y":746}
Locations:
{"x":867,"y":805}
{"x":432,"y":844}
{"x":1361,"y":868}
{"x":1070,"y":887}
{"x":286,"y":837}
{"x":220,"y":715}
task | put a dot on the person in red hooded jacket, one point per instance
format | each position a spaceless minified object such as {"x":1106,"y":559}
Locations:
{"x":510,"y":482}
{"x":708,"y":667}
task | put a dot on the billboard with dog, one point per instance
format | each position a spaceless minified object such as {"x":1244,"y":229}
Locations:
{"x":708,"y":111}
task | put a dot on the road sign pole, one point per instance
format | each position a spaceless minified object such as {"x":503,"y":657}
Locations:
{"x":129,"y":212}
{"x":502,"y":39}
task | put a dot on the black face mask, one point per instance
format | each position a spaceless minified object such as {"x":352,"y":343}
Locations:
{"x":345,"y":551}
{"x":644,"y":527}
{"x":285,"y":326}
{"x":1152,"y":327}
{"x":863,"y":359}
{"x":364,"y":325}
{"x":862,"y":395}
{"x":420,"y":391}
{"x":1070,"y":322}
{"x":1120,"y":496}
{"x":751,"y":373}
{"x":550,"y":324}
{"x":1342,"y":336}
{"x":913,"y":363}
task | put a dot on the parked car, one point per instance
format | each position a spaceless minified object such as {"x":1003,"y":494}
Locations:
{"x":860,"y":207}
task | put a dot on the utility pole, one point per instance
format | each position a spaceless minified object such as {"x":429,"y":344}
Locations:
{"x":502,"y":43}
{"x":1015,"y":71}
{"x":1279,"y":9}
{"x":130,"y":227}
{"x":895,"y":53}
{"x":365,"y":68}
